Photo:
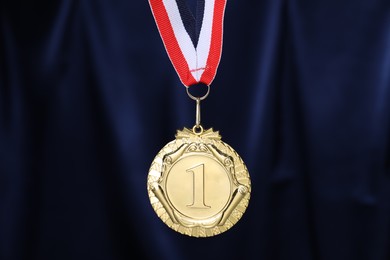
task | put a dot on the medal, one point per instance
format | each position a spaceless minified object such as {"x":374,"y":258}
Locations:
{"x":197,"y":184}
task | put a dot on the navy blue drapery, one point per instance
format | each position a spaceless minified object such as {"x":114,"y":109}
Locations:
{"x":88,"y":96}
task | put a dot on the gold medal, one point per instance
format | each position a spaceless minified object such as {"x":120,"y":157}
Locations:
{"x":197,"y":184}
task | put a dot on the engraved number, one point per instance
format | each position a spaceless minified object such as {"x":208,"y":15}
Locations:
{"x":197,"y":187}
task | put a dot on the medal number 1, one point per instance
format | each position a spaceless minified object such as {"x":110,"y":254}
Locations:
{"x":198,"y":187}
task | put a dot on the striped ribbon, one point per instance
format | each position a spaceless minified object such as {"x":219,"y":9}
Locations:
{"x":193,"y":42}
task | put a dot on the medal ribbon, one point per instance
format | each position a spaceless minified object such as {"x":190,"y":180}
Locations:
{"x":193,"y":44}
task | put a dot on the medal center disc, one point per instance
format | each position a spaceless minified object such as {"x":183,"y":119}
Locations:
{"x":198,"y":186}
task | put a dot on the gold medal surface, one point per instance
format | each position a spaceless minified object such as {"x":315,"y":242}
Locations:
{"x":198,"y":185}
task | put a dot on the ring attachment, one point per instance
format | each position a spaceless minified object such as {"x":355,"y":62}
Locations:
{"x":198,"y":98}
{"x":197,"y":129}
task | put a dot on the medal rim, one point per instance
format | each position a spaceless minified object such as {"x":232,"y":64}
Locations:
{"x":186,"y":136}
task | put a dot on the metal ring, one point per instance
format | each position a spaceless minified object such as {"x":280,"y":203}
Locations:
{"x":197,"y":129}
{"x":198,"y":98}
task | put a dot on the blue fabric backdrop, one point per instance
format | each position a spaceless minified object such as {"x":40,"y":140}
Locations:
{"x":88,"y":96}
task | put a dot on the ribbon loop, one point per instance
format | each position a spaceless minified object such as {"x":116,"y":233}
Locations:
{"x":193,"y":44}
